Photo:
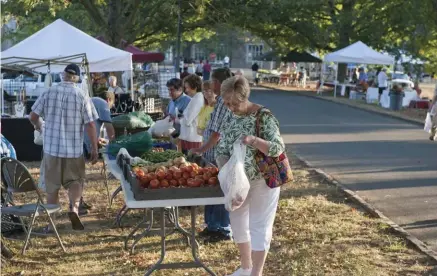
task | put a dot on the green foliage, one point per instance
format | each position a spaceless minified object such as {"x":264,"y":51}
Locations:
{"x":120,"y":22}
{"x":321,"y":25}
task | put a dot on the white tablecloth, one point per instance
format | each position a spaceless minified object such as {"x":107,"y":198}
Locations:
{"x":141,"y":204}
{"x":409,"y":96}
{"x":372,"y":94}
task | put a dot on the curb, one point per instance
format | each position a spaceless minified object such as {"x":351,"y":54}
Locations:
{"x":381,"y":112}
{"x":418,"y":244}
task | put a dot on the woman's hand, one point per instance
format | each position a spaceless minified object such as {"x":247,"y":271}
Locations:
{"x":256,"y":142}
{"x":248,"y":140}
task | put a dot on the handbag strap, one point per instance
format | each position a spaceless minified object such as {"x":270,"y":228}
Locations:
{"x":261,"y":111}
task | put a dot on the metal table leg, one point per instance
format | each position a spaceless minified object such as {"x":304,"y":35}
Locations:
{"x":194,"y":243}
{"x":181,"y":230}
{"x":161,"y":259}
{"x":197,"y":263}
{"x":142,"y":235}
{"x":123,"y":211}
{"x":114,"y":194}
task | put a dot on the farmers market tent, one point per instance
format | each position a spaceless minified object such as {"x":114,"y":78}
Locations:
{"x":60,"y":44}
{"x":358,"y":53}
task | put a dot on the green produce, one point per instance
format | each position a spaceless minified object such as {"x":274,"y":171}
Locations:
{"x":160,"y":157}
{"x":133,"y":120}
{"x":135,"y":144}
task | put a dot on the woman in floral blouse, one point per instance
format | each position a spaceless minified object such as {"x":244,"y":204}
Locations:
{"x":252,"y":223}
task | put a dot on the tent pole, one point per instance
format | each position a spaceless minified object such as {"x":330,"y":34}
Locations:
{"x":322,"y":81}
{"x":132,"y":84}
{"x":89,"y":80}
{"x":335,"y":82}
{"x":2,"y":100}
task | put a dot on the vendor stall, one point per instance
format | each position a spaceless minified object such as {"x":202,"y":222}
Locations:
{"x":50,"y":50}
{"x":358,"y":53}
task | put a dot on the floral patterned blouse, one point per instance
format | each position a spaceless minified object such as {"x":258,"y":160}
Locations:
{"x":246,"y":125}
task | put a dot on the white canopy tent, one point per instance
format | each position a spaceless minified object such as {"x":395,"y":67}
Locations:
{"x":59,"y":41}
{"x":59,"y":44}
{"x":358,"y":53}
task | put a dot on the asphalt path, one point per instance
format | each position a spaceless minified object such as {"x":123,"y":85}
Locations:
{"x":390,"y":163}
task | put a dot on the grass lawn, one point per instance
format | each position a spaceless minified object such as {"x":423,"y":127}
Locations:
{"x":317,"y":232}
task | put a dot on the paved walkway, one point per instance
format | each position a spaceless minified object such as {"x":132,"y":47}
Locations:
{"x":388,"y":162}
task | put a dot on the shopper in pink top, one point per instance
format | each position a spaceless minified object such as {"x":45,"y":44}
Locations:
{"x":206,"y":70}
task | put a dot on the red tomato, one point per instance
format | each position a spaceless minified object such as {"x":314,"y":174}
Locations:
{"x":186,"y":175}
{"x":190,"y":182}
{"x":182,"y":182}
{"x":152,"y":176}
{"x":214,"y":171}
{"x":161,"y":175}
{"x":177,"y":174}
{"x":213,"y":181}
{"x":144,"y":182}
{"x":206,"y":176}
{"x":198,"y":182}
{"x":183,"y":167}
{"x":154,"y":184}
{"x":140,"y":173}
{"x":164,"y":184}
{"x":174,"y":183}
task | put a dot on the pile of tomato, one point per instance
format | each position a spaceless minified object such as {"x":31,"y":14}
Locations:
{"x":185,"y":175}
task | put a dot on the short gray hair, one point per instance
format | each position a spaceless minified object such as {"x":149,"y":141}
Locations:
{"x":112,"y":78}
{"x":237,"y":86}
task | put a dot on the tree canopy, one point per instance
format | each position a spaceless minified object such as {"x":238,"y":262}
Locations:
{"x":319,"y":25}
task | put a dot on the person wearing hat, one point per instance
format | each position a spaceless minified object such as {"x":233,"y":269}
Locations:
{"x":382,"y":82}
{"x":67,"y":112}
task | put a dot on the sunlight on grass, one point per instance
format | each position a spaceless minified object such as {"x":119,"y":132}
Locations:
{"x":317,"y":232}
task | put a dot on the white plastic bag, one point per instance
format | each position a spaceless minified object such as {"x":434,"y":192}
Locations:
{"x":41,"y":183}
{"x":233,"y":180}
{"x":428,"y":123}
{"x":37,"y":135}
{"x":162,"y":128}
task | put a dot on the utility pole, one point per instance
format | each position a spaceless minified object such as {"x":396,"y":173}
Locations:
{"x":178,"y":42}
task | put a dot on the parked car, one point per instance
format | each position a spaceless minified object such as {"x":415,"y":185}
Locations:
{"x":11,"y":86}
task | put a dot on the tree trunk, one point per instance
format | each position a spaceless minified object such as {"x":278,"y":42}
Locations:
{"x":345,"y":24}
{"x":114,"y":26}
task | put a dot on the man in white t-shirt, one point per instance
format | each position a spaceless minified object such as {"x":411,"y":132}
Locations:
{"x":382,"y":82}
{"x":113,"y":86}
{"x":226,"y":61}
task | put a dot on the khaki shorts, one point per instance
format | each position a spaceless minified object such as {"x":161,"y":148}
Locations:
{"x":63,"y":172}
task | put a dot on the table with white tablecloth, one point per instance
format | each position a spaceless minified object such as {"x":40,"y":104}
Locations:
{"x":132,"y":203}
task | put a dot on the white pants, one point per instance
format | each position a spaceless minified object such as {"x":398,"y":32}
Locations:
{"x":253,"y":221}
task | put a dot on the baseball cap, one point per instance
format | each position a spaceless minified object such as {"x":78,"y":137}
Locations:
{"x":72,"y":69}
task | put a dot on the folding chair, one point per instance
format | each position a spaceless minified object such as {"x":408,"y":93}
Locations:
{"x":19,"y":180}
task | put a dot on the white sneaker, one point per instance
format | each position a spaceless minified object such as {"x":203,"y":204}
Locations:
{"x":242,"y":272}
